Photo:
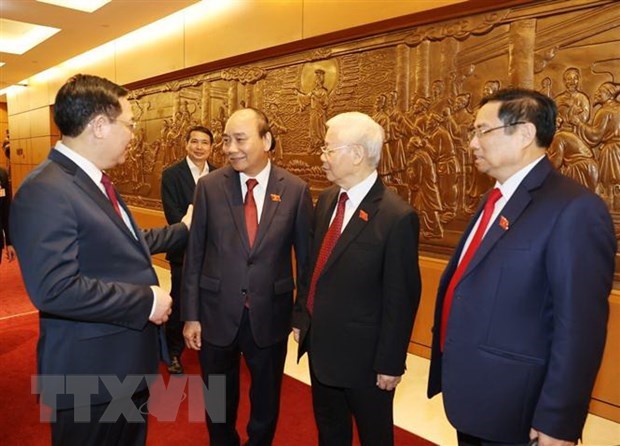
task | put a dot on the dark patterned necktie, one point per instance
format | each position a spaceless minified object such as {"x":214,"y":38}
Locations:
{"x":331,"y":237}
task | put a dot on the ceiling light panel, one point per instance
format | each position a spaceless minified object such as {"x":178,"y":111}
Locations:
{"x":19,"y":37}
{"x":80,"y":5}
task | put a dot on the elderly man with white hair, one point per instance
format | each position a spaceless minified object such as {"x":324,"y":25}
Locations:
{"x":355,"y":313}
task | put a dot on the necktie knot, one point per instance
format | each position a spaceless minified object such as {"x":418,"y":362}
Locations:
{"x":251,"y":183}
{"x":494,"y":195}
{"x":106,"y":181}
{"x":342,"y":199}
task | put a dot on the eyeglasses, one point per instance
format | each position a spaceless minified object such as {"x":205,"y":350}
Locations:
{"x":131,"y":125}
{"x":479,"y":133}
{"x":327,"y":152}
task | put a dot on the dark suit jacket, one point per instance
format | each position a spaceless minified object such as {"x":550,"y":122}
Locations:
{"x":368,"y":293}
{"x":5,"y":203}
{"x":87,"y":274}
{"x":177,"y":193}
{"x":220,"y":268}
{"x":528,"y":320}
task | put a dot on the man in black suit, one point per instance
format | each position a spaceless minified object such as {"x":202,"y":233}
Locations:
{"x":5,"y":206}
{"x":238,"y":276}
{"x":355,"y":316}
{"x":87,"y":268}
{"x":178,"y":183}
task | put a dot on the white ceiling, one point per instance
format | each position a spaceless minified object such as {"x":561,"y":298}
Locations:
{"x":80,"y":31}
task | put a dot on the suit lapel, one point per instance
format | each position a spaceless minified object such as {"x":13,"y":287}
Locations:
{"x":86,"y":184}
{"x":232,"y":192}
{"x":511,"y":212}
{"x":186,"y":178}
{"x":369,"y":206}
{"x":273,"y":195}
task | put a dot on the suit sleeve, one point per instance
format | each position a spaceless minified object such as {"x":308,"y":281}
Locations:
{"x":168,"y":238}
{"x":170,"y":198}
{"x":48,"y":255}
{"x":580,"y":265}
{"x":303,"y":222}
{"x":194,"y":256}
{"x":401,"y":295}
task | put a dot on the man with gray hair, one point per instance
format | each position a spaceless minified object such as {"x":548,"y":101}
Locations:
{"x":355,"y":315}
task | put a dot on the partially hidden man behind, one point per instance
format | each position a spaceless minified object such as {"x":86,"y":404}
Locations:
{"x":178,"y":183}
{"x":87,"y":267}
{"x":238,"y":283}
{"x":522,"y":307}
{"x":5,"y":207}
{"x":355,"y":317}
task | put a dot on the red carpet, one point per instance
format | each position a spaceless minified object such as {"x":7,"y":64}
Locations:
{"x":19,"y":411}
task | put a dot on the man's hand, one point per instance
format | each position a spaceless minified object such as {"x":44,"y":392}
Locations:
{"x":546,"y":440}
{"x":387,"y":382}
{"x":296,"y":334}
{"x":187,"y":218}
{"x":191,"y":333}
{"x":10,"y":253}
{"x":163,"y":306}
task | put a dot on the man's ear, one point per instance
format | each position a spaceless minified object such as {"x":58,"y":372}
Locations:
{"x":98,"y":126}
{"x":267,"y":141}
{"x":528,"y":132}
{"x":359,"y":154}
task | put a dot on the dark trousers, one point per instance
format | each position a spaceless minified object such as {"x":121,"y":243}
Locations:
{"x":335,"y":407}
{"x":67,"y":432}
{"x":470,"y":440}
{"x":266,"y":367}
{"x":174,"y":326}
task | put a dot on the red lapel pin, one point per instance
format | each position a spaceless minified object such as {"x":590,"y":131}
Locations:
{"x":363,"y":215}
{"x":504,"y":223}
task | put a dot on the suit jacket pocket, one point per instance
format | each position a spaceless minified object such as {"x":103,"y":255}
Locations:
{"x":210,"y":284}
{"x":282,"y":286}
{"x":512,"y":356}
{"x":95,"y":330}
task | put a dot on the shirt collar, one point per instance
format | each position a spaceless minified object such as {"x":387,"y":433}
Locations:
{"x":195,"y":170}
{"x":87,"y":166}
{"x":509,"y":186}
{"x":262,"y":177}
{"x":357,"y":193}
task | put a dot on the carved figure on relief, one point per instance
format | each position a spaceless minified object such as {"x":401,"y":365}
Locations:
{"x":316,"y":95}
{"x":398,"y":128}
{"x":447,"y":165}
{"x":605,"y":130}
{"x":278,"y":128}
{"x":425,"y":194}
{"x":571,"y":156}
{"x":386,"y":166}
{"x":573,"y":101}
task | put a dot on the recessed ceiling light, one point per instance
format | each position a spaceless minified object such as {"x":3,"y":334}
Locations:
{"x":80,"y":5}
{"x":19,"y":37}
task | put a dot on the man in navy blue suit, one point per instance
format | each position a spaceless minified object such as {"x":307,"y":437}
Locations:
{"x":87,"y":268}
{"x":517,"y":351}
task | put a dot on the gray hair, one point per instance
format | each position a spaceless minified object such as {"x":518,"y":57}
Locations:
{"x":360,"y":129}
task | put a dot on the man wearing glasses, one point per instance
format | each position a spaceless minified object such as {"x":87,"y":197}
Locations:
{"x":521,"y":314}
{"x":356,"y":314}
{"x":87,"y":268}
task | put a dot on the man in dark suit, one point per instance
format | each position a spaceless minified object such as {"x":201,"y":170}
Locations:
{"x":177,"y":193}
{"x":238,"y":278}
{"x":87,"y":268}
{"x":5,"y":207}
{"x":521,"y":314}
{"x":356,"y":315}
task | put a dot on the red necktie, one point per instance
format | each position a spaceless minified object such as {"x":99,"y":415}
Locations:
{"x":331,"y":237}
{"x":251,"y":213}
{"x":109,"y":189}
{"x":469,"y":254}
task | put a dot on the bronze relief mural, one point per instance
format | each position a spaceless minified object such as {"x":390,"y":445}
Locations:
{"x":422,"y":85}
